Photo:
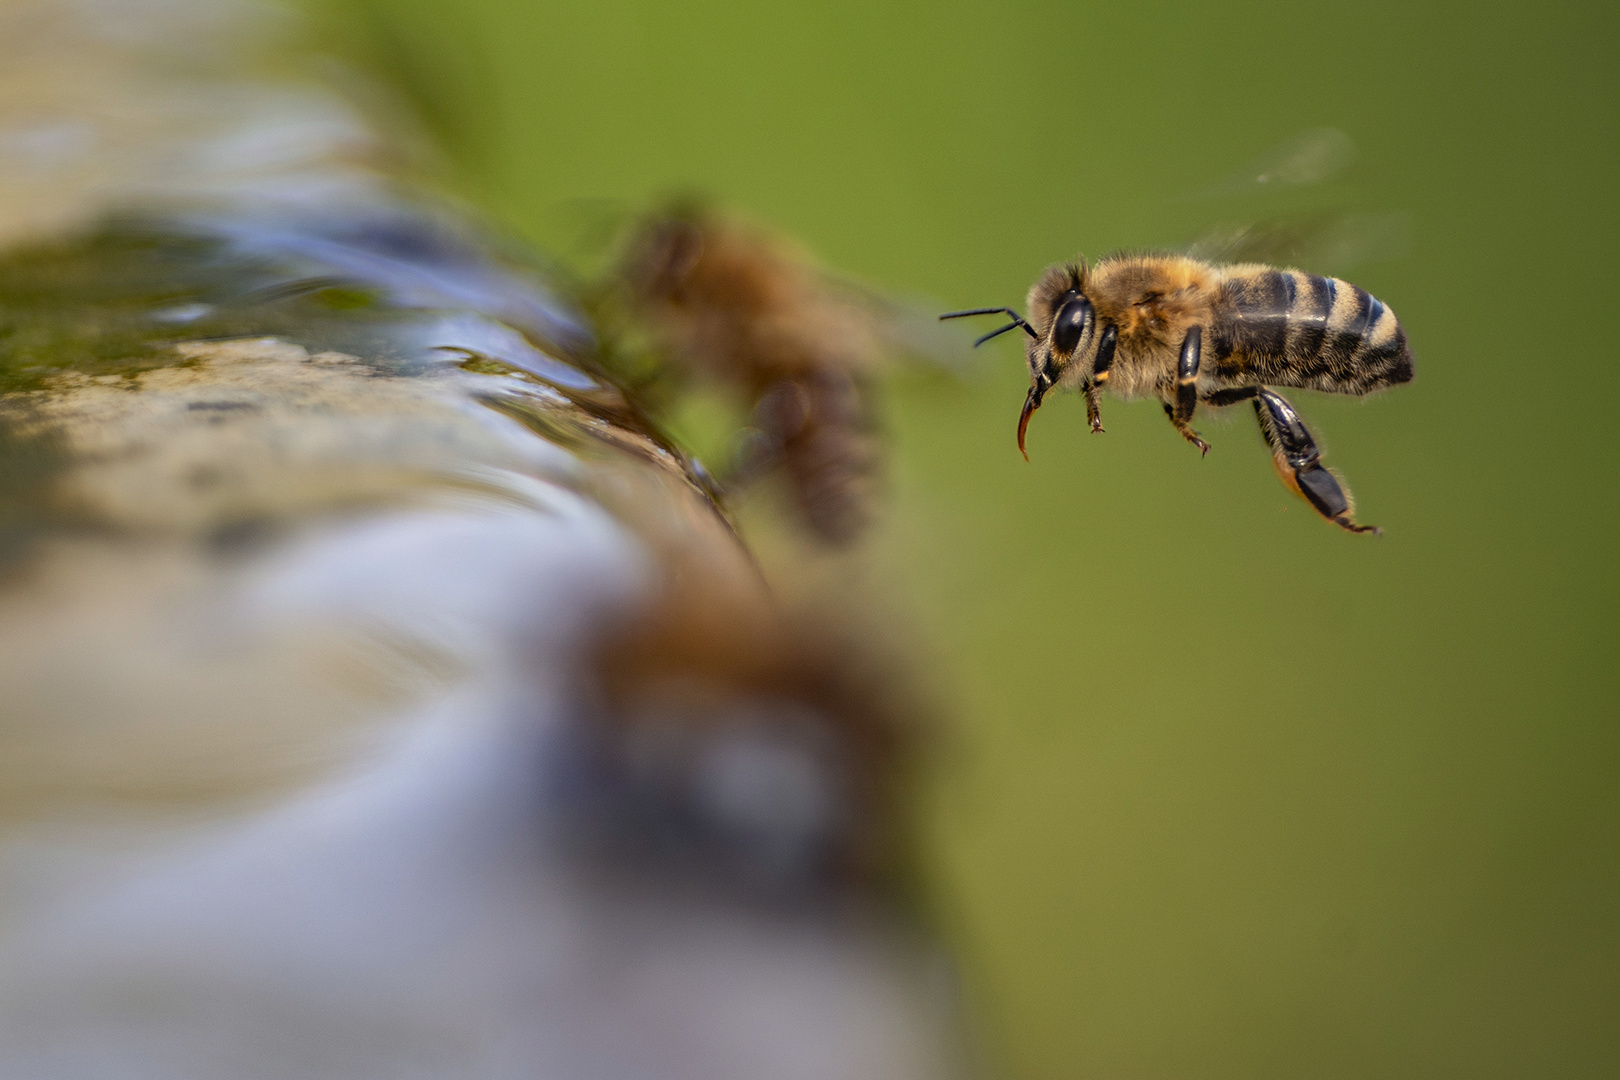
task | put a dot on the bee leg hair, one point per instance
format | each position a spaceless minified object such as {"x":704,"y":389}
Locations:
{"x":1299,"y":462}
{"x":1187,"y":389}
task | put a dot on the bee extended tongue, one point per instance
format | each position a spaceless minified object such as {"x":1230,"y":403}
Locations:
{"x":1031,"y":403}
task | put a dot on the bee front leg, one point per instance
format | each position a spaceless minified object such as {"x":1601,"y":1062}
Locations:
{"x":1299,"y":462}
{"x":1186,"y":401}
{"x":1100,"y":369}
{"x":1093,"y":394}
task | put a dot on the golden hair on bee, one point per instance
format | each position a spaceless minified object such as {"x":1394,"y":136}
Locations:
{"x":729,"y":302}
{"x":1192,"y":333}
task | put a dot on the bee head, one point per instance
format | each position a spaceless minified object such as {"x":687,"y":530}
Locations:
{"x":1065,"y":323}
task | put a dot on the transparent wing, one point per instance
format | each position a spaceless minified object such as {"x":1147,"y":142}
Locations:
{"x":1292,"y":216}
{"x":1311,"y":157}
{"x":1324,"y":241}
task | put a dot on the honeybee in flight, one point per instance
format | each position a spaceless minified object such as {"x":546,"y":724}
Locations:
{"x":1193,"y":333}
{"x":730,"y":302}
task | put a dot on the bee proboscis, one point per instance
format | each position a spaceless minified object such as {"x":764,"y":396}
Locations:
{"x":1192,"y":333}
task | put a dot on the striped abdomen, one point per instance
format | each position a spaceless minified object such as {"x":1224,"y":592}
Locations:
{"x":1289,"y":328}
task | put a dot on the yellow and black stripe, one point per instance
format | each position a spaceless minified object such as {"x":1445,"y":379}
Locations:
{"x":1290,"y":328}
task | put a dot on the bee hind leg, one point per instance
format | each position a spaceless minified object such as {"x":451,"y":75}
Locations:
{"x":1186,"y":401}
{"x":1299,"y":462}
{"x":1230,"y":397}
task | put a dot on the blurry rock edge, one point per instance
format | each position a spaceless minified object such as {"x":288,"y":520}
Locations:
{"x":316,"y":534}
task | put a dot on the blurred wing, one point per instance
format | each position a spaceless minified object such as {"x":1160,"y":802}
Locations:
{"x":1310,"y":157}
{"x":592,"y":228}
{"x":1324,"y":241}
{"x":909,"y":330}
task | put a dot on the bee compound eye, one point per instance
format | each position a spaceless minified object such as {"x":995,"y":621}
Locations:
{"x":1072,"y":321}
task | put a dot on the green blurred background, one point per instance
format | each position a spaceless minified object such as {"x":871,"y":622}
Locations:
{"x":1238,"y":794}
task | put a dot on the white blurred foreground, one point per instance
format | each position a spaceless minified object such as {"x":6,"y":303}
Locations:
{"x":301,"y":771}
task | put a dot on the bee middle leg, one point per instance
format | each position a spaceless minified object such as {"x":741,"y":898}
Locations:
{"x":1299,"y":462}
{"x":1186,"y":402}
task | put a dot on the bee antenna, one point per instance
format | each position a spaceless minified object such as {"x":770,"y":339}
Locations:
{"x":997,"y":333}
{"x":1017,"y":322}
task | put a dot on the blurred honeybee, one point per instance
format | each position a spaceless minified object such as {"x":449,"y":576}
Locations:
{"x":1193,"y":333}
{"x":775,"y":740}
{"x":731,"y":303}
